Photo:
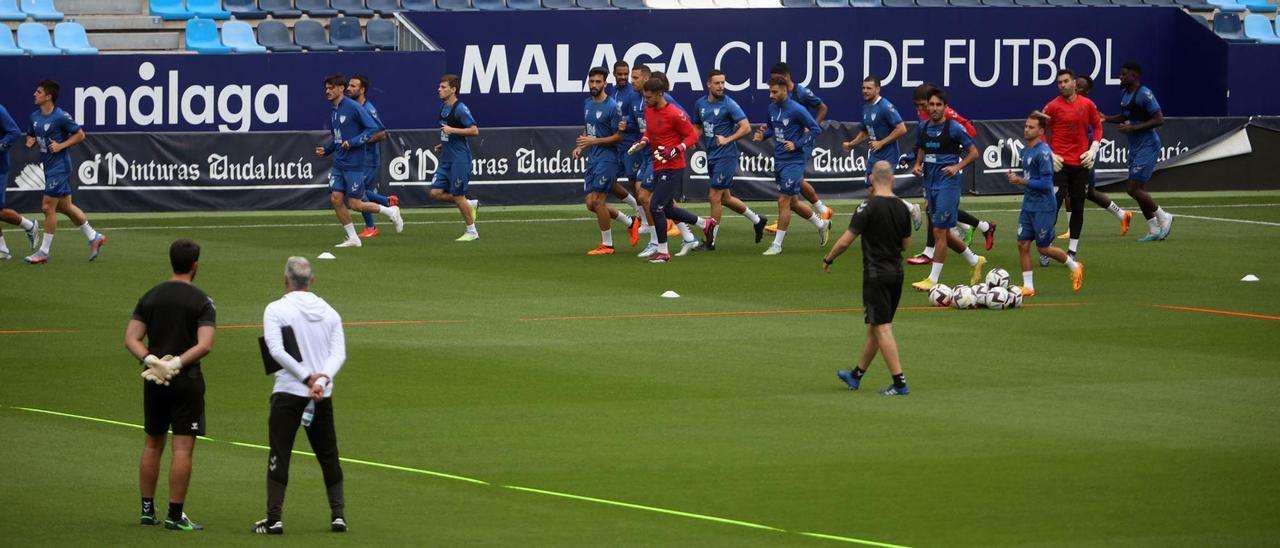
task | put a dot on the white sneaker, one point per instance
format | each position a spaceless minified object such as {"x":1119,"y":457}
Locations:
{"x":774,"y":249}
{"x":915,"y":215}
{"x":355,"y":242}
{"x":4,"y":256}
{"x":396,"y":218}
{"x":649,"y":250}
{"x":688,"y":247}
{"x":1166,"y":224}
{"x":468,"y":237}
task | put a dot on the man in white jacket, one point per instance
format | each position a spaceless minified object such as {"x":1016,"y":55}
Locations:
{"x":303,"y":392}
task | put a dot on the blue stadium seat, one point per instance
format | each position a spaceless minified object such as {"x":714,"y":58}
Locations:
{"x":419,"y":5}
{"x":1031,"y":3}
{"x":899,"y":3}
{"x":317,"y":8}
{"x":71,"y":38}
{"x":630,"y":4}
{"x":1097,"y":3}
{"x":280,"y":9}
{"x":967,"y":3}
{"x":244,"y":9}
{"x":9,"y":12}
{"x":595,"y":4}
{"x":489,"y":5}
{"x":170,"y":10}
{"x":352,"y":8}
{"x":311,"y":35}
{"x":274,"y":36}
{"x":345,"y":32}
{"x":785,"y":3}
{"x":1259,"y":28}
{"x":209,"y":9}
{"x":522,"y":5}
{"x":1129,"y":3}
{"x":238,"y":35}
{"x":933,"y":3}
{"x":1197,"y":6}
{"x":560,"y":4}
{"x":382,"y":33}
{"x":1064,"y":3}
{"x":1002,"y":3}
{"x":385,"y":8}
{"x":833,"y":3}
{"x":1229,"y":6}
{"x":7,"y":47}
{"x":34,"y":38}
{"x":1225,"y":25}
{"x":202,"y":36}
{"x":40,"y":10}
{"x":1258,"y":6}
{"x":1161,"y":3}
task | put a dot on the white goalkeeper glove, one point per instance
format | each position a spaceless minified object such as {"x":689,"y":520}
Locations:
{"x":172,"y":365}
{"x":156,"y":371}
{"x":1057,"y":163}
{"x":637,"y":147}
{"x":1087,"y":158}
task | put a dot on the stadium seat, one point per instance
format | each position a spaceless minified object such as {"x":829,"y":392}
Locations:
{"x":1229,"y":6}
{"x":1161,"y":3}
{"x":794,"y":3}
{"x":1197,"y":6}
{"x":1129,"y":3}
{"x":933,"y":3}
{"x":40,"y":10}
{"x":244,"y":9}
{"x":629,"y":4}
{"x":170,"y":10}
{"x":382,"y":34}
{"x":317,"y":8}
{"x":385,"y":8}
{"x":966,"y":3}
{"x":1097,"y":3}
{"x":352,"y":8}
{"x":34,"y":38}
{"x":455,"y":5}
{"x":1002,"y":3}
{"x":1032,"y":3}
{"x":345,"y":32}
{"x":71,"y":39}
{"x":1064,"y":3}
{"x":764,"y":3}
{"x":280,"y":9}
{"x":560,"y":4}
{"x":899,"y":3}
{"x":1258,"y":27}
{"x":419,"y":5}
{"x":238,"y":35}
{"x":1226,"y":25}
{"x":311,"y":35}
{"x":274,"y":36}
{"x":595,"y":4}
{"x":865,"y":3}
{"x":493,"y":5}
{"x":7,"y":47}
{"x":209,"y":9}
{"x":522,"y":5}
{"x":9,"y":12}
{"x":1258,"y":6}
{"x":202,"y":36}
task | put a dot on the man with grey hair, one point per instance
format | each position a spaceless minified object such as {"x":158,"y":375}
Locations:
{"x":303,"y":392}
{"x":884,"y":222}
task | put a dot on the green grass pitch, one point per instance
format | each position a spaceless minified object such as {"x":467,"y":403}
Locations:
{"x":1110,"y":422}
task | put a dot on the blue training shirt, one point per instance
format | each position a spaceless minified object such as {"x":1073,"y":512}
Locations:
{"x":806,"y":98}
{"x":455,"y":147}
{"x":790,"y":122}
{"x":349,"y":122}
{"x":633,"y":113}
{"x":57,"y":127}
{"x":373,"y":156}
{"x":718,"y":118}
{"x":1138,"y":107}
{"x":879,"y":119}
{"x":9,"y":134}
{"x":1037,"y":167}
{"x":602,"y":121}
{"x":941,"y":150}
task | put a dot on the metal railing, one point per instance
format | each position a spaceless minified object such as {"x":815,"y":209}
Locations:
{"x":410,"y":38}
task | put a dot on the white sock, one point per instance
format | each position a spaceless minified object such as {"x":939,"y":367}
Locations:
{"x":1068,"y":215}
{"x":961,"y":227}
{"x":779,"y":236}
{"x":351,"y":231}
{"x":1073,"y":244}
{"x":4,"y":248}
{"x":1027,"y":282}
{"x":983,"y":226}
{"x":653,"y":236}
{"x":969,"y":256}
{"x":751,"y":216}
{"x":1162,"y":214}
{"x":820,"y":207}
{"x":1154,"y":224}
{"x":47,"y":243}
{"x":384,"y":210}
{"x":471,"y":229}
{"x":88,"y":231}
{"x":685,"y":234}
{"x":928,"y":252}
{"x":606,"y":238}
{"x":702,"y":222}
{"x":935,"y":272}
{"x":624,"y":219}
{"x":1116,"y":210}
{"x":472,"y":204}
{"x":816,"y":220}
{"x":662,"y":248}
{"x":1071,"y":264}
{"x":644,"y":218}
{"x":631,"y":201}
{"x":26,"y":224}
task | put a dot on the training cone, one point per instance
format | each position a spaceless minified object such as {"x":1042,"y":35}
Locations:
{"x":670,"y":295}
{"x":1249,"y":278}
{"x":326,"y":255}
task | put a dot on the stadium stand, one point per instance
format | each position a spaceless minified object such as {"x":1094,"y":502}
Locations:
{"x":274,"y":36}
{"x":316,"y":8}
{"x":352,"y":8}
{"x":1259,"y":28}
{"x":311,"y":35}
{"x":40,"y":10}
{"x":496,"y":5}
{"x":7,"y":47}
{"x":381,"y":34}
{"x":799,"y":4}
{"x":629,"y":4}
{"x":9,"y":11}
{"x":280,"y":9}
{"x":34,"y":39}
{"x":385,"y":8}
{"x":1258,"y":6}
{"x":454,"y":5}
{"x":202,"y":36}
{"x":209,"y":9}
{"x":963,"y":3}
{"x":521,"y":5}
{"x":346,"y":33}
{"x":1227,"y":26}
{"x":1229,"y":6}
{"x":71,"y":39}
{"x":595,"y":4}
{"x":561,"y":4}
{"x":170,"y":10}
{"x":419,"y":5}
{"x":244,"y":9}
{"x":238,"y":35}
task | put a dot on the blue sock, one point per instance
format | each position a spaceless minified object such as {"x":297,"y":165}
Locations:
{"x":372,"y":196}
{"x":368,"y":220}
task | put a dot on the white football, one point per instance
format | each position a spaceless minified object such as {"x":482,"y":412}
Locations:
{"x":1015,"y":296}
{"x":981,"y":291}
{"x":998,"y":298}
{"x":940,"y":295}
{"x":963,"y":297}
{"x":998,"y":277}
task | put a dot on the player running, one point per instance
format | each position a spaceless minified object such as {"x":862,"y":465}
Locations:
{"x":791,"y":128}
{"x":667,"y":134}
{"x":722,"y":123}
{"x":9,"y":134}
{"x":1139,"y":117}
{"x":1071,"y":117}
{"x":818,"y":109}
{"x":55,"y":132}
{"x":358,"y":91}
{"x":939,"y":143}
{"x":453,"y":174}
{"x":351,"y":126}
{"x":1039,"y":212}
{"x":1084,"y":84}
{"x":599,"y":141}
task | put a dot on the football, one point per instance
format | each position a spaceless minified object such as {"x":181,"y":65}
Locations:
{"x":962,"y":297}
{"x":1015,"y":297}
{"x":998,"y":277}
{"x":998,"y":298}
{"x":981,"y":291}
{"x":940,"y":295}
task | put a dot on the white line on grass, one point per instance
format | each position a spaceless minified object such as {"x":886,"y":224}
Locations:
{"x":442,"y":475}
{"x":1228,"y":220}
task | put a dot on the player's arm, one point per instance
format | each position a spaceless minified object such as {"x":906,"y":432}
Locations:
{"x":204,"y":345}
{"x":1114,"y":118}
{"x":367,"y":128}
{"x":898,"y":131}
{"x":743,"y":130}
{"x":134,"y":334}
{"x":1148,"y":102}
{"x":11,"y":131}
{"x":275,"y":346}
{"x":970,"y":155}
{"x":469,"y":128}
{"x":840,"y":246}
{"x":964,"y":122}
{"x":688,"y":135}
{"x":337,"y":356}
{"x":812,"y":127}
{"x":75,"y":139}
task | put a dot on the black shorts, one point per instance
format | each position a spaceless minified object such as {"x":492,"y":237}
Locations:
{"x":179,"y":405}
{"x":880,"y":296}
{"x":1075,"y":179}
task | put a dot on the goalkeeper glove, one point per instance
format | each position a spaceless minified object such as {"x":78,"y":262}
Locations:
{"x":1057,"y":163}
{"x":172,"y":365}
{"x":1088,"y":157}
{"x":157,"y":366}
{"x":638,"y":146}
{"x":663,"y":154}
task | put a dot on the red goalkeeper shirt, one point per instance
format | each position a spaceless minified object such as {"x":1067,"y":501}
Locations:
{"x":1069,"y":123}
{"x":951,"y":114}
{"x":668,"y":127}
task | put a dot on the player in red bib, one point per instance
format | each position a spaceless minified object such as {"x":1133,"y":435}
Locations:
{"x":1071,"y":116}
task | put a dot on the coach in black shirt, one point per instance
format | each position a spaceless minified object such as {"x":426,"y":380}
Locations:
{"x":884,"y":222}
{"x":177,"y":321}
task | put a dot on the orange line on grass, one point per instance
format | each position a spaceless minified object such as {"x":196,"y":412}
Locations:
{"x":1221,"y":312}
{"x":752,"y":313}
{"x":390,"y":322}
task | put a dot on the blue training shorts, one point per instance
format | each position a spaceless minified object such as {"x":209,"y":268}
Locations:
{"x":600,"y":177}
{"x":789,"y":177}
{"x":4,"y":184}
{"x":453,"y":177}
{"x":943,"y":204}
{"x":1038,"y":226}
{"x":1142,"y":163}
{"x":721,"y":172}
{"x":57,"y":186}
{"x":645,"y":172}
{"x":349,"y":182}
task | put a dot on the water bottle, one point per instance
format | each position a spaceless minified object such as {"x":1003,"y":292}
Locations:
{"x":308,"y":413}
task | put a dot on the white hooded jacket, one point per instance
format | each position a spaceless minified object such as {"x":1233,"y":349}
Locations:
{"x":320,"y":340}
